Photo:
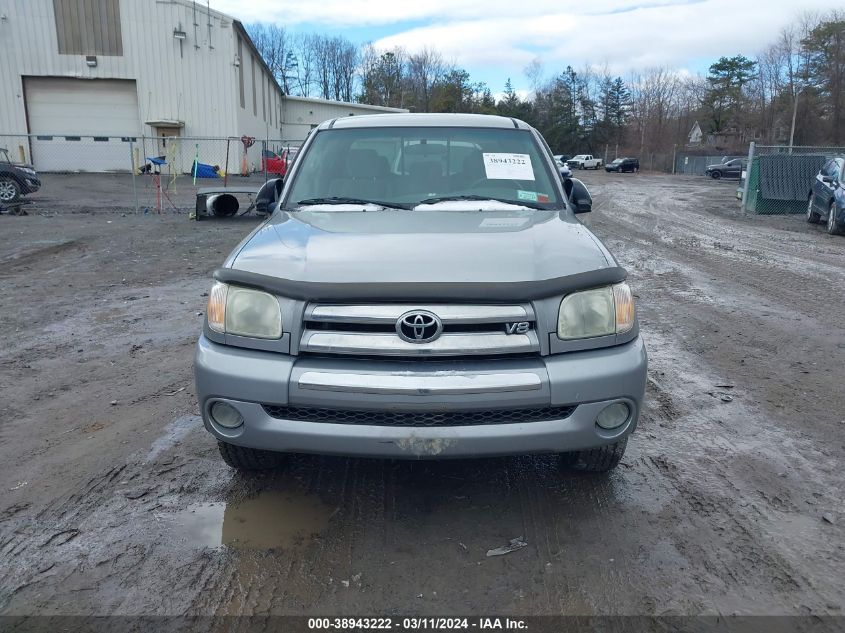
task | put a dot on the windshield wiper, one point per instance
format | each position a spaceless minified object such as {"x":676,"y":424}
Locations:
{"x":474,"y":197}
{"x":342,"y":200}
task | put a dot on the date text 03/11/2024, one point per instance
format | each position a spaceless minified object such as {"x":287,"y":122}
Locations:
{"x":417,"y":624}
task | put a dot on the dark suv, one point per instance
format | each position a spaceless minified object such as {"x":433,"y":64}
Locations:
{"x":624,"y":164}
{"x":727,"y":169}
{"x":16,"y":180}
{"x":826,"y":200}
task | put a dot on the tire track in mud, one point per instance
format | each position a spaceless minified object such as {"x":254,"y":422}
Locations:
{"x":697,"y":519}
{"x":101,"y":537}
{"x":753,"y":558}
{"x":765,"y":311}
{"x":547,"y":508}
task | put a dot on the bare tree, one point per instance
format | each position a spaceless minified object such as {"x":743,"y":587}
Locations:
{"x":534,"y":72}
{"x":424,"y":69}
{"x":306,"y":64}
{"x":276,"y":48}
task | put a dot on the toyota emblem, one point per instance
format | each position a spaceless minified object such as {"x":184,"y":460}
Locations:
{"x":419,"y":326}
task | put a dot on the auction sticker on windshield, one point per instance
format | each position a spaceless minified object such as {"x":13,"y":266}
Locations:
{"x":500,"y":166}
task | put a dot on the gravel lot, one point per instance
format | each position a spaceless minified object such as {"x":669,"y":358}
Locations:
{"x":113,"y":498}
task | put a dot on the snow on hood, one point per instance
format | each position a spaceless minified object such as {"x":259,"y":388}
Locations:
{"x":471,"y":205}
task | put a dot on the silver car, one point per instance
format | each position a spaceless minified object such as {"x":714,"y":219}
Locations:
{"x":423,"y":289}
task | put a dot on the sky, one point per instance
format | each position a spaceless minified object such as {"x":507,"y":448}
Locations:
{"x":496,"y":39}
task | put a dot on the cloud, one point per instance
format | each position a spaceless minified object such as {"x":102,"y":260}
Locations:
{"x":504,"y":35}
{"x":334,"y":13}
{"x":638,"y":37}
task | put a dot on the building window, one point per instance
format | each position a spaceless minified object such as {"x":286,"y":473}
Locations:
{"x":88,"y":27}
{"x":241,"y":70}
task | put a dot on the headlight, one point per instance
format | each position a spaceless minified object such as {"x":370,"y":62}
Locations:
{"x":244,"y":312}
{"x":597,"y":312}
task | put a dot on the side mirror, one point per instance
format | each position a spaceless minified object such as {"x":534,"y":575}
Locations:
{"x":268,"y":195}
{"x":827,"y":179}
{"x":578,"y":195}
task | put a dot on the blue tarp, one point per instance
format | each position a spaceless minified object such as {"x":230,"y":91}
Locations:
{"x":205,"y":171}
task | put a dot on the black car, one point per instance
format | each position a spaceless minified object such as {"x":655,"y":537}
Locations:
{"x":624,"y":164}
{"x":16,"y":180}
{"x":727,"y":169}
{"x":826,"y":200}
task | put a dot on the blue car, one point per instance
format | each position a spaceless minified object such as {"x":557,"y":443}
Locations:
{"x":826,"y":200}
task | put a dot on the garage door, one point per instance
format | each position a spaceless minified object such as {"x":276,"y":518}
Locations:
{"x":80,"y":124}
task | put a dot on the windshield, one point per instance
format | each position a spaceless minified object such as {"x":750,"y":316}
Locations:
{"x":617,"y":161}
{"x":404,"y":166}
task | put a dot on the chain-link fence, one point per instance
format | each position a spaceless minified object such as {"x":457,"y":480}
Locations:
{"x":779,"y":178}
{"x":696,"y":165}
{"x":141,"y":172}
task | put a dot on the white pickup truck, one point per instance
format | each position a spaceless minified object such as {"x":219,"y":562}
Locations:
{"x":585,"y":161}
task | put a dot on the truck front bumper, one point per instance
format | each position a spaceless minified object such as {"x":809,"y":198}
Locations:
{"x":254,"y":382}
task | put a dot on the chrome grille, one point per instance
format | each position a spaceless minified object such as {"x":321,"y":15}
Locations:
{"x":418,"y":418}
{"x":370,"y":330}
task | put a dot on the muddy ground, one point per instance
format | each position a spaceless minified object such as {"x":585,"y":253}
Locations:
{"x":729,"y":500}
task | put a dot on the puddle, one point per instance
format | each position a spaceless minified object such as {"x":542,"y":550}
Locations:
{"x":272,"y":519}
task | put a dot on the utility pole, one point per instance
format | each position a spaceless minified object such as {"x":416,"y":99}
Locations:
{"x":794,"y":115}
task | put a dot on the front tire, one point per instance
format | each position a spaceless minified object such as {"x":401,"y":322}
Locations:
{"x":833,"y":225}
{"x":812,"y":216}
{"x":10,"y":190}
{"x":596,"y":460}
{"x":249,"y":459}
{"x":716,"y":175}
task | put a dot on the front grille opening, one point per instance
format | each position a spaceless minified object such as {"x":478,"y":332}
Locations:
{"x":390,"y":328}
{"x":418,"y":418}
{"x":419,"y":358}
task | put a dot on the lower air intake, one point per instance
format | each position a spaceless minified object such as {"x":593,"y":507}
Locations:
{"x":418,"y":418}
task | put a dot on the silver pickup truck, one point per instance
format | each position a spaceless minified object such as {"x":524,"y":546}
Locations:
{"x":422,"y":289}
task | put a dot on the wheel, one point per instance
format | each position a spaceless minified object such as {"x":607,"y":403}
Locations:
{"x":812,"y":216}
{"x":596,"y":460}
{"x":834,"y":227}
{"x":10,"y":190}
{"x":242,"y":458}
{"x":716,"y":175}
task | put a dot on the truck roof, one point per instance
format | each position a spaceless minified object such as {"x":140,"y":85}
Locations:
{"x":424,"y":120}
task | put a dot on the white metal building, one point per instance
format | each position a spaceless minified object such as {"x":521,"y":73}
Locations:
{"x":109,"y":70}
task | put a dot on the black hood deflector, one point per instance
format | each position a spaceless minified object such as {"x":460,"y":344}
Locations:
{"x":422,"y":291}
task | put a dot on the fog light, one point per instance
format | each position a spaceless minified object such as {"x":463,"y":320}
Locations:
{"x":226,"y":415}
{"x":613,"y":415}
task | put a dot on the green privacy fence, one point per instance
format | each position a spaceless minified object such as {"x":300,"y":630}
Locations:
{"x":779,"y":178}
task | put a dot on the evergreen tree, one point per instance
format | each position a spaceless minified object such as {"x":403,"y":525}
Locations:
{"x":724,"y":98}
{"x":825,"y":52}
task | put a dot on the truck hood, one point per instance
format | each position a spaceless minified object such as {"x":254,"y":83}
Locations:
{"x":429,"y":246}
